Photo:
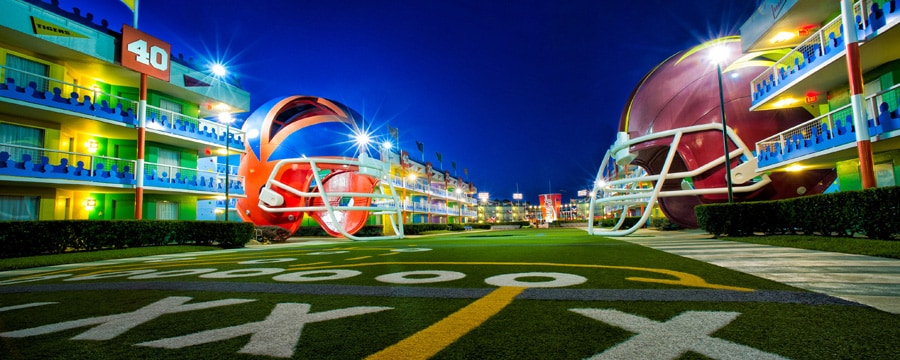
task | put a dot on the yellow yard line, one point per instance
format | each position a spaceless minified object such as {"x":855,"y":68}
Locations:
{"x":426,"y":343}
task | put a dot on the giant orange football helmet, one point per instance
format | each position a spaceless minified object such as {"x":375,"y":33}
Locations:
{"x":300,"y":161}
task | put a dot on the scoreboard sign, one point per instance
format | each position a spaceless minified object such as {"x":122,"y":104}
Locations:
{"x":144,"y":53}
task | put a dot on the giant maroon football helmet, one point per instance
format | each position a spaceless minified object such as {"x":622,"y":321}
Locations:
{"x":669,"y":150}
{"x":299,"y":161}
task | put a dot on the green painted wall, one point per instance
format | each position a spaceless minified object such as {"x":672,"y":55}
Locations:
{"x":849,"y":178}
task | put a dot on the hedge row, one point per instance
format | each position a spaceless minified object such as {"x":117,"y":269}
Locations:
{"x":26,"y":238}
{"x":408,"y":229}
{"x":874,"y":213}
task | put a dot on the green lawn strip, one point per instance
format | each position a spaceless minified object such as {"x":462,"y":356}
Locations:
{"x":525,"y":329}
{"x":871,"y":247}
{"x":87,"y":256}
{"x":606,"y":263}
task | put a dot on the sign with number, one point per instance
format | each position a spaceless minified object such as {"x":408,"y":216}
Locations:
{"x":144,"y":53}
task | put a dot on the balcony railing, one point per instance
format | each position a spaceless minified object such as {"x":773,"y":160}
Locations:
{"x":91,"y":101}
{"x":825,"y":44}
{"x":424,"y":188}
{"x":831,"y":130}
{"x":177,"y":177}
{"x":34,"y":162}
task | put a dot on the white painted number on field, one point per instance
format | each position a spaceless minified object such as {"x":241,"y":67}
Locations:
{"x":110,"y":326}
{"x":155,"y":56}
{"x":688,"y":331}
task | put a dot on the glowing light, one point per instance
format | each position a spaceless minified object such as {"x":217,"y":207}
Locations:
{"x":411,"y":177}
{"x":601,"y":183}
{"x":218,"y":70}
{"x":90,"y":204}
{"x":222,"y":107}
{"x":221,"y":152}
{"x":718,"y":54}
{"x":225,"y":118}
{"x":91,"y":146}
{"x":782,"y":37}
{"x":794,"y":168}
{"x":362,"y":139}
{"x":387,"y":145}
{"x":784,"y":102}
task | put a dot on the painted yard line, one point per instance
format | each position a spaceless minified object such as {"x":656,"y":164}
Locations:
{"x":684,"y":242}
{"x":748,"y":256}
{"x":890,"y":304}
{"x":833,"y":277}
{"x":743,"y":250}
{"x":706,"y":246}
{"x":428,"y":342}
{"x":794,"y":262}
{"x":823,"y":269}
{"x":839,"y":289}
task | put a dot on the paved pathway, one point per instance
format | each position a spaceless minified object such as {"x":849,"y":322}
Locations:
{"x":868,"y":280}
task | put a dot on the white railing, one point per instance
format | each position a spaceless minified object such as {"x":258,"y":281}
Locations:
{"x":425,"y":189}
{"x":628,"y":192}
{"x":826,"y":124}
{"x":73,"y":92}
{"x":827,"y":40}
{"x":89,"y":162}
{"x":76,"y":94}
{"x":178,"y":121}
{"x":801,"y":56}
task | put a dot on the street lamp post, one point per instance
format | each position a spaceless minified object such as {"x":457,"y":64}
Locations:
{"x":718,"y":56}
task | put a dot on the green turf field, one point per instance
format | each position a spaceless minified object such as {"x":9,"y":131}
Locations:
{"x":526,"y":294}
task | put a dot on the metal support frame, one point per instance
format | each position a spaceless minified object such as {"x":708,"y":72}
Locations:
{"x":625,"y":192}
{"x":367,"y":166}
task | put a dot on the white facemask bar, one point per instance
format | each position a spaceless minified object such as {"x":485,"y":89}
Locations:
{"x":271,"y":201}
{"x":625,"y":192}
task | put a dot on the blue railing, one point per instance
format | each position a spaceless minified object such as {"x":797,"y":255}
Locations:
{"x":831,"y":130}
{"x":93,"y":102}
{"x":819,"y":48}
{"x":39,"y":163}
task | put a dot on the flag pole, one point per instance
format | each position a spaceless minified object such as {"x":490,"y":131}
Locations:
{"x":135,"y":12}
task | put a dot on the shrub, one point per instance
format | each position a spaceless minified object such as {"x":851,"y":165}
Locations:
{"x":25,"y":238}
{"x":271,"y":233}
{"x":873,"y":212}
{"x":664,"y":224}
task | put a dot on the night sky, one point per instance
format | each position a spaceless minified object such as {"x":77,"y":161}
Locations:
{"x":524,"y":94}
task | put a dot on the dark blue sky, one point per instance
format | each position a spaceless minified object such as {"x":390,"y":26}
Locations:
{"x":519,"y":92}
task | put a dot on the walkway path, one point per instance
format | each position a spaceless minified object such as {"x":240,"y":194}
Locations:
{"x":868,"y":280}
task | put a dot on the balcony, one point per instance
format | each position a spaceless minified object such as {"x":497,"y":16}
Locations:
{"x":819,"y":142}
{"x":38,"y":165}
{"x":78,"y":101}
{"x":815,"y":66}
{"x":405,"y":183}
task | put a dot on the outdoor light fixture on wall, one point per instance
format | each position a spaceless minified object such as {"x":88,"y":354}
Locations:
{"x":91,"y":146}
{"x":90,"y":204}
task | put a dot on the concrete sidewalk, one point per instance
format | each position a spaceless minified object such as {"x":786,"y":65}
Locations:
{"x":868,"y":280}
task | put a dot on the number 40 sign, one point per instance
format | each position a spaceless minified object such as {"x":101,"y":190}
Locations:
{"x":144,"y":53}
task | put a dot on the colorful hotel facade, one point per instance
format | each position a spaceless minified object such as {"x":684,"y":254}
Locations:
{"x":814,"y":75}
{"x":71,"y":145}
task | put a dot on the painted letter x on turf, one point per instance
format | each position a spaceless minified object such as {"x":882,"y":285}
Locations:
{"x":688,"y":331}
